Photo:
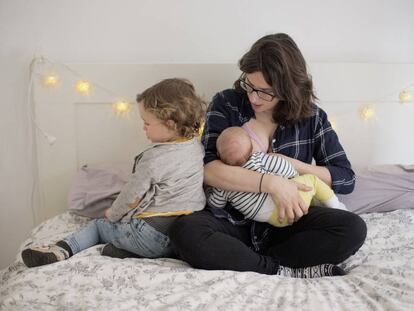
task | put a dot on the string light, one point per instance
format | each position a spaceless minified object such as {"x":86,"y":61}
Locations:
{"x":83,"y":87}
{"x":405,"y":96}
{"x":367,"y":112}
{"x":121,"y":107}
{"x":50,"y":80}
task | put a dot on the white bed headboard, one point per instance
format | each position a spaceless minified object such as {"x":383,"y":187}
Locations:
{"x":88,"y":131}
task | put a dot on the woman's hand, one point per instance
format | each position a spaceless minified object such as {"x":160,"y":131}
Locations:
{"x":286,"y":194}
{"x":304,"y":168}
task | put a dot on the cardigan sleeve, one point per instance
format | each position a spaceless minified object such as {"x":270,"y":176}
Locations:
{"x":134,"y":190}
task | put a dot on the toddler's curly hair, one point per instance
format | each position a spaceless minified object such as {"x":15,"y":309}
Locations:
{"x":175,"y":99}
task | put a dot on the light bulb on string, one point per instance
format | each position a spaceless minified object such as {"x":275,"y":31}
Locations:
{"x":83,"y":87}
{"x":405,"y":96}
{"x":50,"y":80}
{"x":121,"y":107}
{"x":367,"y":112}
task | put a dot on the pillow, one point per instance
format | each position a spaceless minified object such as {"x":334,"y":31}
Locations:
{"x":94,"y":190}
{"x":381,"y":188}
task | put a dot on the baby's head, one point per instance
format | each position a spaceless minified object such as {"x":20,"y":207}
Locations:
{"x":174,"y":105}
{"x":234,"y":146}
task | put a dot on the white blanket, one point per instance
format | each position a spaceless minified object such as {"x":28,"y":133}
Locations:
{"x":380,"y":277}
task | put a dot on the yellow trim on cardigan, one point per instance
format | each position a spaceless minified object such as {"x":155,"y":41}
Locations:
{"x":198,"y":136}
{"x":181,"y":140}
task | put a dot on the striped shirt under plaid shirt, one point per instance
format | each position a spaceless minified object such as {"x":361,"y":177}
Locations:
{"x":310,"y":138}
{"x":250,"y":203}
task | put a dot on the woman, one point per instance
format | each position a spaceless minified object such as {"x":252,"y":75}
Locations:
{"x":276,"y":90}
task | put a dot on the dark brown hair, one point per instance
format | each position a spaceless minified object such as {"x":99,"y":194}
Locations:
{"x":282,"y":64}
{"x":175,"y":99}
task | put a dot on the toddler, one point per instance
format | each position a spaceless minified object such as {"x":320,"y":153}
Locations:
{"x":166,"y":182}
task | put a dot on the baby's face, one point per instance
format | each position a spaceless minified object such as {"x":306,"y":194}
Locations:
{"x":234,"y":150}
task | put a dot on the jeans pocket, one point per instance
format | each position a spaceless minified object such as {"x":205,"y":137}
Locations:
{"x":149,"y":242}
{"x":137,"y":224}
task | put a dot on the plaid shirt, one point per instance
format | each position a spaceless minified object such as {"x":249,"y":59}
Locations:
{"x":310,"y":138}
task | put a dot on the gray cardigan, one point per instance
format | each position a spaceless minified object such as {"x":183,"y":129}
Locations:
{"x":168,"y":178}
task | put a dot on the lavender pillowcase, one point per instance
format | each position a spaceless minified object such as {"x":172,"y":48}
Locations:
{"x":94,"y":190}
{"x":378,"y":189}
{"x":381,"y":188}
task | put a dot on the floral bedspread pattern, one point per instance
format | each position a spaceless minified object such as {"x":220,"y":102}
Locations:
{"x":380,"y":277}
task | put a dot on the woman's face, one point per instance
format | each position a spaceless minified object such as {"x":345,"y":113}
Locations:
{"x":258,"y":82}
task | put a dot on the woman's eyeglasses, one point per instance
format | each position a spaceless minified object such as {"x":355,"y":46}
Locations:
{"x":261,"y":94}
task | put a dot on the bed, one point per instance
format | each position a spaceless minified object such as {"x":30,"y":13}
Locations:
{"x":380,"y":276}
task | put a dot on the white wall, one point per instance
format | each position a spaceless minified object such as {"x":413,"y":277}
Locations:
{"x":176,"y":31}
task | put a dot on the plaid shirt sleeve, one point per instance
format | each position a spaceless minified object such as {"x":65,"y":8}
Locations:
{"x":329,"y":153}
{"x":225,"y":110}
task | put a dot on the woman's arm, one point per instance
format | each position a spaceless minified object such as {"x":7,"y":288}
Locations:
{"x":304,"y":168}
{"x":231,"y":178}
{"x":321,"y":171}
{"x":283,"y":191}
{"x":226,"y":110}
{"x":322,"y":144}
{"x":329,"y":154}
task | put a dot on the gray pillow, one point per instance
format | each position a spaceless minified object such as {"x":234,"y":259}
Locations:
{"x":381,"y":188}
{"x":94,"y":190}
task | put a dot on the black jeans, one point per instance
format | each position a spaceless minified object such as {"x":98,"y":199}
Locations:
{"x":324,"y":235}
